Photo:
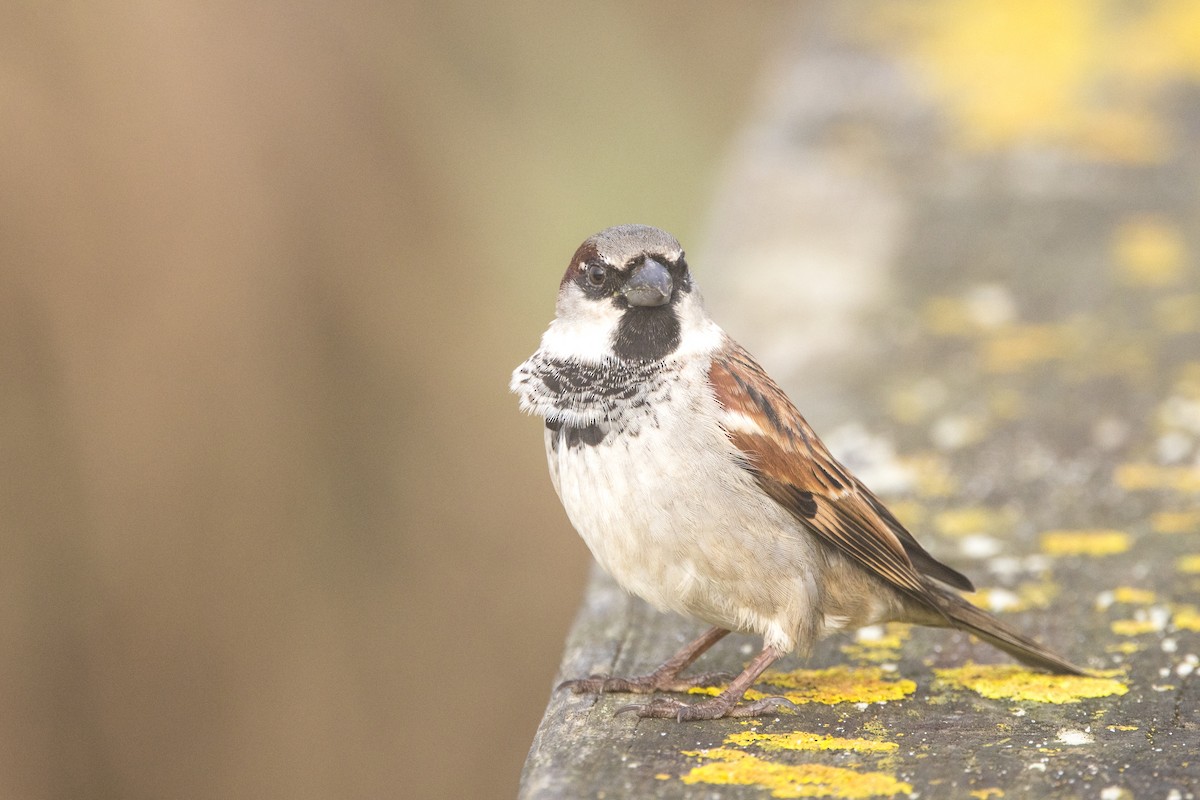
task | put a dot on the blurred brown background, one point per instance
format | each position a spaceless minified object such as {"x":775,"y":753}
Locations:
{"x":271,"y":524}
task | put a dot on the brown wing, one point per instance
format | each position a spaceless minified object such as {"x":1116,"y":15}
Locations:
{"x":796,"y":470}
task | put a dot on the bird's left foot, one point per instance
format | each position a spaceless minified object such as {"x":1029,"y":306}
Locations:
{"x":714,"y":708}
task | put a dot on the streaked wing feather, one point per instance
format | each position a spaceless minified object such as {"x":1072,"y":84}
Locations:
{"x":796,"y":470}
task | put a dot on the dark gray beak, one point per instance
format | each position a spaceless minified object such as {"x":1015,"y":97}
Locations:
{"x":650,"y":285}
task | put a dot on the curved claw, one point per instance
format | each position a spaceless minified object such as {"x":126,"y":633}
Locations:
{"x":629,"y":707}
{"x":658,"y":708}
{"x":594,"y":684}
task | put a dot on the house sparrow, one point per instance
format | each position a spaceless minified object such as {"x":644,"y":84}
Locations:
{"x":696,"y":483}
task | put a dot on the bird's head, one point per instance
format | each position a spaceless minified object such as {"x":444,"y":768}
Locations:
{"x":627,"y":295}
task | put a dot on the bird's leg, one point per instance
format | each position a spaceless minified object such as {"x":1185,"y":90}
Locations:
{"x":665,"y":678}
{"x":726,"y":704}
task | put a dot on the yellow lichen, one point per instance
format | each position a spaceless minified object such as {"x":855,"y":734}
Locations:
{"x":1016,"y":347}
{"x":1189,"y":565}
{"x":801,"y":740}
{"x":1175,"y":521}
{"x":878,"y":644}
{"x":1135,"y":627}
{"x":891,"y":637}
{"x":839,"y":684}
{"x":1124,"y":648}
{"x":1085,"y":542}
{"x":1070,"y":74}
{"x":875,"y":728}
{"x":827,"y":686}
{"x":972,"y":519}
{"x":729,"y":767}
{"x":909,"y":405}
{"x":1033,"y":57}
{"x":984,"y":794}
{"x":932,"y":475}
{"x":1186,"y":618}
{"x":949,"y":316}
{"x":1143,"y":476}
{"x":1010,"y":682}
{"x":1148,"y":251}
{"x":1132,"y":595}
{"x":1161,"y":41}
{"x":1122,"y":727}
{"x":1026,"y":596}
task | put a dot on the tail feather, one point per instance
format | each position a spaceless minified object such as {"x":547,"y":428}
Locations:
{"x":967,"y":617}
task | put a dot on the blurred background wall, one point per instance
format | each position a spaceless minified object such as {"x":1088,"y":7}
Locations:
{"x":270,"y":525}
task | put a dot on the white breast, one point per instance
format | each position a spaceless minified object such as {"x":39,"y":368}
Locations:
{"x":667,"y":508}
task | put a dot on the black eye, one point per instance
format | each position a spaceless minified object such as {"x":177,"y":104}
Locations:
{"x":597,"y":275}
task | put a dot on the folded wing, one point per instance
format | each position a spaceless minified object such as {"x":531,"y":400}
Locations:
{"x":794,"y":468}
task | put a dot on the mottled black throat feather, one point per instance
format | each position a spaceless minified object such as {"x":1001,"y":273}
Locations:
{"x":647,"y":334}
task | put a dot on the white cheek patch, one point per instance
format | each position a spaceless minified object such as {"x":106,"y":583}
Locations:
{"x":699,"y":335}
{"x":584,"y":328}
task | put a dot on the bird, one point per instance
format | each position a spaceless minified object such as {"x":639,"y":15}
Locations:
{"x":696,"y":483}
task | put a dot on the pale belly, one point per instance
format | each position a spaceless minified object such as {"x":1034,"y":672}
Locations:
{"x":677,"y":522}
